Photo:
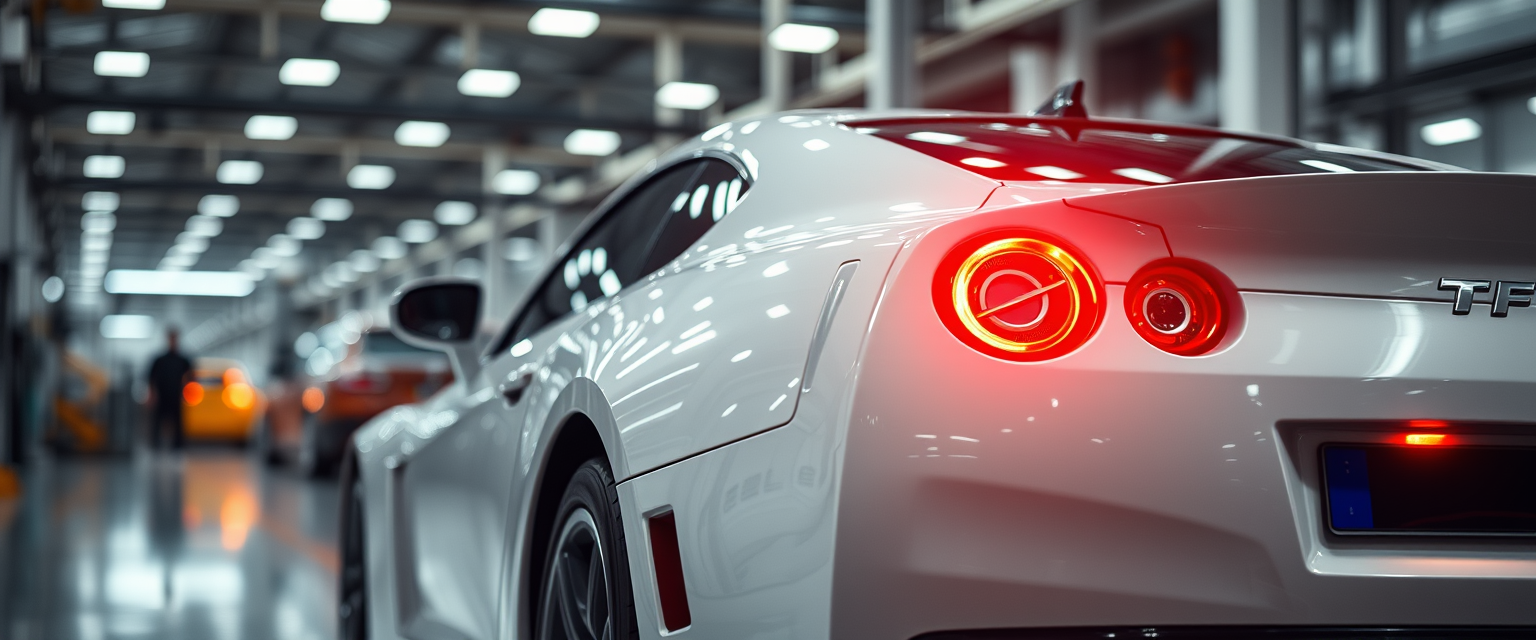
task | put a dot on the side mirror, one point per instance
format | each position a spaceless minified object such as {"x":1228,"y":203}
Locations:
{"x":441,"y":314}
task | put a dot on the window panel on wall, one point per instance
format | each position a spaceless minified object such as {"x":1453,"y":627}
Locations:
{"x":1515,"y":118}
{"x":1439,"y":32}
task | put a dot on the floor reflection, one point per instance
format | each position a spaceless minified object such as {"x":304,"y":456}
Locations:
{"x":205,"y":545}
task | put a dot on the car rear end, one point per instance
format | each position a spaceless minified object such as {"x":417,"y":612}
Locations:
{"x":220,"y":403}
{"x":378,"y":372}
{"x":1256,"y":409}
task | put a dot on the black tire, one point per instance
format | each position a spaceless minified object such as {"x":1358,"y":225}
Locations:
{"x":352,"y":603}
{"x":587,"y":544}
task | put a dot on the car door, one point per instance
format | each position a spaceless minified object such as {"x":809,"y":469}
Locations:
{"x":459,"y":485}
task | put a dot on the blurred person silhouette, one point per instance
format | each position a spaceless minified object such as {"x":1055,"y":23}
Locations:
{"x":167,"y":376}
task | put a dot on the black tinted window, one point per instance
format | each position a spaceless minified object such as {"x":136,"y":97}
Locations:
{"x":711,"y":196}
{"x":612,"y":254}
{"x":1113,"y":153}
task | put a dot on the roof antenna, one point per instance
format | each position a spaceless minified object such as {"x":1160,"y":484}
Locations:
{"x":1066,"y":102}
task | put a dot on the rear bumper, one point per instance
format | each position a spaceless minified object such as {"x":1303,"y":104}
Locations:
{"x":1125,"y":486}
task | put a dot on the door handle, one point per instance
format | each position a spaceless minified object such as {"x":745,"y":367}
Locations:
{"x":512,"y":390}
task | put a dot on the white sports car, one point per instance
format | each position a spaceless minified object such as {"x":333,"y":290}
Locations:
{"x":966,"y":376}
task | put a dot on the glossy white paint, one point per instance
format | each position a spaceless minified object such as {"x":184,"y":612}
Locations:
{"x":918,"y":485}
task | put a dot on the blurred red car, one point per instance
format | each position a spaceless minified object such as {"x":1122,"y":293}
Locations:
{"x":310,"y":417}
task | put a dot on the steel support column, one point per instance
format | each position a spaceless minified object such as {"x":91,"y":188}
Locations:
{"x":777,"y":73}
{"x":892,"y":55}
{"x":1257,"y":85}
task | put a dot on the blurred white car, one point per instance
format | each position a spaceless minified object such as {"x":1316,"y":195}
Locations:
{"x":858,"y":375}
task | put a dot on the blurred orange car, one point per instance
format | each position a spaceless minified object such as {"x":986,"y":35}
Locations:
{"x":311,"y":417}
{"x":220,"y":403}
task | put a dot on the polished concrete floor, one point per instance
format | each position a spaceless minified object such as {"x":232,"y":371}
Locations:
{"x":206,"y":544}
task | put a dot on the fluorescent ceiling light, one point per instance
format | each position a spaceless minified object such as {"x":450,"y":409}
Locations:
{"x":283,"y":245}
{"x":417,"y":231}
{"x":250,"y":268}
{"x":178,"y":260}
{"x":489,"y":83}
{"x":1440,"y":134}
{"x":592,"y":142}
{"x":107,"y":201}
{"x":364,"y":261}
{"x":96,"y":241}
{"x":110,"y":123}
{"x":98,"y":221}
{"x":53,"y":289}
{"x":188,"y":242}
{"x":1530,"y":105}
{"x":271,"y":127}
{"x":239,"y":172}
{"x":565,"y":23}
{"x":520,"y":249}
{"x":146,"y":5}
{"x":342,"y":272}
{"x":371,"y":176}
{"x":331,"y":209}
{"x":309,"y":72}
{"x":802,"y":38}
{"x":1144,"y":175}
{"x":184,"y":283}
{"x":205,"y":226}
{"x":687,"y":95}
{"x":218,"y":206}
{"x":389,"y":248}
{"x":454,"y":212}
{"x":1054,"y":173}
{"x":418,"y":133}
{"x":265,"y":258}
{"x":515,"y":182}
{"x":306,"y":228}
{"x":128,"y":327}
{"x":358,"y":11}
{"x":104,"y":167}
{"x":122,"y":64}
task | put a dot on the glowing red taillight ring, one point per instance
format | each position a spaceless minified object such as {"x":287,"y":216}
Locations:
{"x":1181,"y":306}
{"x":1019,"y":295}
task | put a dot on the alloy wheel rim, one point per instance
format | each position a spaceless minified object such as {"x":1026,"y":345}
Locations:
{"x":577,"y":603}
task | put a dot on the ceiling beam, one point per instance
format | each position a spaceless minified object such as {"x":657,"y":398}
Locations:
{"x":209,"y":186}
{"x":323,"y":146}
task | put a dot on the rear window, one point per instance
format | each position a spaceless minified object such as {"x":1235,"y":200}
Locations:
{"x":1132,"y":154}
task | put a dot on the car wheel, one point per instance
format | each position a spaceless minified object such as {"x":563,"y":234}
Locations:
{"x":587,"y":593}
{"x":352,"y":608}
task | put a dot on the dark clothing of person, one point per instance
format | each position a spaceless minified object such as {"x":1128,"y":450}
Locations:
{"x":166,"y":376}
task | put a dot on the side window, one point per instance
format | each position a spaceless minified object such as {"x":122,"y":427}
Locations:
{"x":711,"y":196}
{"x":612,"y":254}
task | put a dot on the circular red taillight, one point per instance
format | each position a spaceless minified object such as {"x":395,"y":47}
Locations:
{"x":1180,"y":306}
{"x":1020,"y":296}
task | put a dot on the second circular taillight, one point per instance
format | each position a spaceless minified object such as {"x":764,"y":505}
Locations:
{"x":1180,"y":306}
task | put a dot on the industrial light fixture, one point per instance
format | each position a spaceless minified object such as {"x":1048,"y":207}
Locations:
{"x":53,"y":289}
{"x":592,"y":142}
{"x":309,"y":72}
{"x":417,"y":231}
{"x":110,"y":123}
{"x":371,"y":176}
{"x":107,"y":167}
{"x":803,"y":38}
{"x":419,"y":133}
{"x":358,"y":11}
{"x":127,"y":327}
{"x":687,"y":95}
{"x":1440,"y":134}
{"x":389,"y":248}
{"x":489,"y":83}
{"x":284,"y":245}
{"x":454,"y":213}
{"x":96,"y":241}
{"x":520,"y":249}
{"x":265,"y":258}
{"x":98,"y":221}
{"x":250,"y":268}
{"x":342,"y":272}
{"x":271,"y":127}
{"x":239,"y":172}
{"x":100,"y":201}
{"x":364,"y":261}
{"x":564,"y":23}
{"x":205,"y":226}
{"x":306,"y":228}
{"x":185,"y":283}
{"x":515,"y":182}
{"x":331,"y":209}
{"x":218,"y":206}
{"x":145,"y":5}
{"x":121,"y":64}
{"x":187,"y":242}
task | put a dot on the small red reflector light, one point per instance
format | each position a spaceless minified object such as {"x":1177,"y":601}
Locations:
{"x":1180,"y":306}
{"x":1424,"y":438}
{"x":192,"y":393}
{"x":1019,"y":295}
{"x":1428,"y":424}
{"x":667,"y":558}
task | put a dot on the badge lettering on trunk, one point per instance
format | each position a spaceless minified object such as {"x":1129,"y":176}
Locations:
{"x":1506,"y":294}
